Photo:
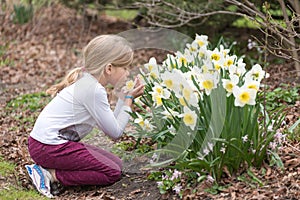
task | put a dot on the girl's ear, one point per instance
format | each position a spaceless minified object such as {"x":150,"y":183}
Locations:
{"x":108,"y":69}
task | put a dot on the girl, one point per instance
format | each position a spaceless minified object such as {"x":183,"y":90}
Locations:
{"x":79,"y":105}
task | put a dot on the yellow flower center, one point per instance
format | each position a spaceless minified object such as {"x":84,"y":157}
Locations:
{"x":169,"y":83}
{"x":200,"y":43}
{"x":159,"y":90}
{"x":153,"y":75}
{"x":208,"y":84}
{"x":158,"y":100}
{"x":253,"y":86}
{"x":182,"y":101}
{"x":150,"y":67}
{"x":148,"y":127}
{"x":188,"y":119}
{"x":186,"y":93}
{"x":244,"y":97}
{"x":229,"y":62}
{"x":204,"y":68}
{"x":142,"y":123}
{"x":215,"y":57}
{"x":217,"y":66}
{"x":182,"y":60}
{"x":201,"y":54}
{"x":192,"y":49}
{"x":129,"y":85}
{"x":229,"y":87}
{"x":256,"y":75}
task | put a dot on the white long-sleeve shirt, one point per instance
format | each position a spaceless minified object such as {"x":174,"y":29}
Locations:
{"x":80,"y":107}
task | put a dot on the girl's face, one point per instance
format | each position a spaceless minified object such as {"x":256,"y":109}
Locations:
{"x":118,"y":75}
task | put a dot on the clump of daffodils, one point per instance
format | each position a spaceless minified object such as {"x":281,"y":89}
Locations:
{"x":201,"y":109}
{"x":197,"y":71}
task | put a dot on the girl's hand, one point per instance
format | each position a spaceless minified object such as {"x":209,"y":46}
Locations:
{"x":138,"y":89}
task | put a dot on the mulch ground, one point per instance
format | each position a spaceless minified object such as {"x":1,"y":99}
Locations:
{"x":44,"y":49}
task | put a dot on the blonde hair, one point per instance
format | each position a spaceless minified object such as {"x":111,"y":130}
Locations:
{"x":100,"y":51}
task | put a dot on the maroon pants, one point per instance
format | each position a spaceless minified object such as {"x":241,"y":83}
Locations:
{"x":77,"y":163}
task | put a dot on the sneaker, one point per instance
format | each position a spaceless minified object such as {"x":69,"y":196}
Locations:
{"x":40,"y":179}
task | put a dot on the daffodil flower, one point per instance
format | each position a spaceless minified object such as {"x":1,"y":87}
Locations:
{"x":193,"y":48}
{"x":229,"y":61}
{"x":209,"y":82}
{"x":207,"y":66}
{"x":244,"y":96}
{"x":252,"y":84}
{"x":182,"y":60}
{"x":189,"y":117}
{"x":171,"y":79}
{"x":190,"y":96}
{"x":157,"y":100}
{"x":256,"y":73}
{"x":215,"y":55}
{"x":139,"y":120}
{"x":147,"y":125}
{"x":152,"y":68}
{"x":144,"y":123}
{"x":169,"y":114}
{"x":202,"y":52}
{"x":160,"y":91}
{"x":218,"y":65}
{"x":229,"y":84}
{"x":201,"y":40}
{"x":170,"y":62}
{"x":129,"y":85}
{"x":224,"y":51}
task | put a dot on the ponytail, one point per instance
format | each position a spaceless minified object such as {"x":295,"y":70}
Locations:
{"x":69,"y":79}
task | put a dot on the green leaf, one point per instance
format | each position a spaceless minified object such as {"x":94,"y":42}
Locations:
{"x":276,"y":160}
{"x":291,"y":128}
{"x":254,"y":178}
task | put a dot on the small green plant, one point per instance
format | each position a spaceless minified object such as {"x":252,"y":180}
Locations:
{"x":251,"y":179}
{"x":22,"y":13}
{"x":23,"y":107}
{"x":6,"y":167}
{"x":284,"y":95}
{"x":3,"y":49}
{"x":32,"y":102}
{"x":6,"y":62}
{"x":122,"y":149}
{"x":293,"y":132}
{"x":168,"y":181}
{"x":125,"y":146}
{"x":128,"y":150}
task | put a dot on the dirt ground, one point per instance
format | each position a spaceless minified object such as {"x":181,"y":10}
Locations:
{"x":44,"y":49}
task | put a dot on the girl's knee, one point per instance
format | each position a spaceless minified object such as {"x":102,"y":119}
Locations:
{"x":114,"y":176}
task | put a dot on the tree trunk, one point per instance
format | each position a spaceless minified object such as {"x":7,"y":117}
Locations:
{"x":292,"y":39}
